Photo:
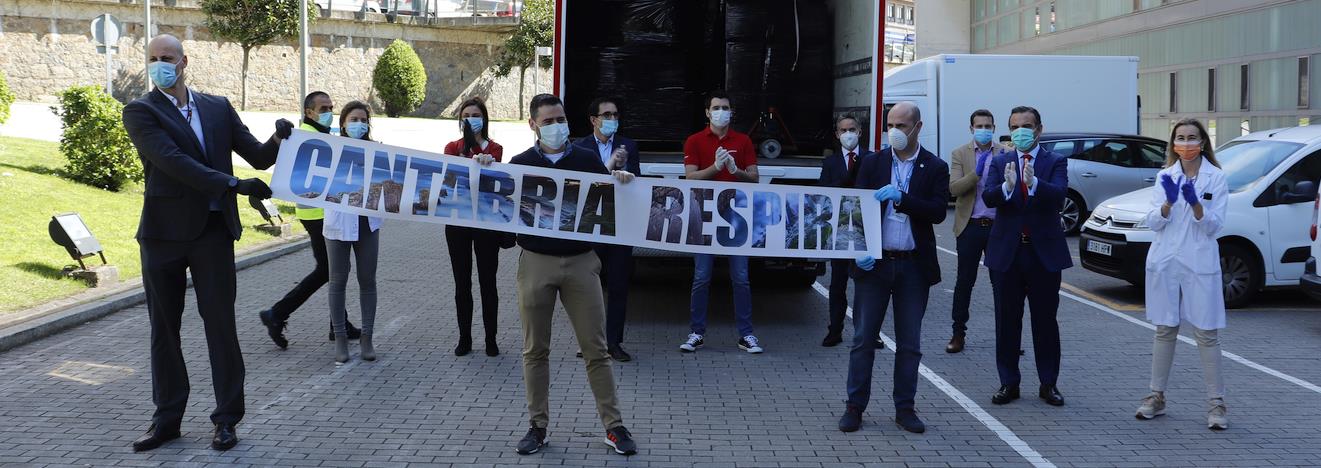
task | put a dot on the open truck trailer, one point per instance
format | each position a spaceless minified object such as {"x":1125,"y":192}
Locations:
{"x":660,"y":58}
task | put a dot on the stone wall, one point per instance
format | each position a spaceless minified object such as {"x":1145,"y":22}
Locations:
{"x":47,"y":46}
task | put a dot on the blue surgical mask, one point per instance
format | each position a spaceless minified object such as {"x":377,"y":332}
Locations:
{"x":1024,"y":138}
{"x":163,"y":74}
{"x":357,"y":129}
{"x":475,"y":123}
{"x":609,"y":127}
{"x":555,"y":135}
{"x":983,"y":135}
{"x":325,"y":118}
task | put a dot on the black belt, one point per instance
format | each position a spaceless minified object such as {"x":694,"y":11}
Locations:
{"x":983,"y":222}
{"x":898,"y":254}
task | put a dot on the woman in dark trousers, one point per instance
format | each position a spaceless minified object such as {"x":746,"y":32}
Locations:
{"x":348,"y":235}
{"x":465,"y":242}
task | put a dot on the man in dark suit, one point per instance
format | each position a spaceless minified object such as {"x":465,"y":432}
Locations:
{"x":189,"y":223}
{"x":617,"y":152}
{"x":841,"y":171}
{"x":1026,"y":253}
{"x":913,"y":187}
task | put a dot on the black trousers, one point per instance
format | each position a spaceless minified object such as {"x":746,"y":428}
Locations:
{"x":839,"y":289}
{"x":971,"y":244}
{"x":1027,"y":279}
{"x":616,"y":272}
{"x":465,"y":243}
{"x":210,"y":258}
{"x":311,"y":283}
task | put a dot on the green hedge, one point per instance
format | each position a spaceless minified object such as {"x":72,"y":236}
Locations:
{"x":400,"y":79}
{"x":6,"y":98}
{"x":95,"y":143}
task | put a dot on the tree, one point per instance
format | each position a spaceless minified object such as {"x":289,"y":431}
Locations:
{"x":535,"y":30}
{"x":400,"y":79}
{"x":254,"y":23}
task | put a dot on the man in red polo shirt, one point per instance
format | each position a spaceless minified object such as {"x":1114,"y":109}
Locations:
{"x":719,"y":153}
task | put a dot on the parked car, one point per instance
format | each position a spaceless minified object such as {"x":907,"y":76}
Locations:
{"x":1310,"y":282}
{"x":1272,"y":178}
{"x":1102,"y":166}
{"x":369,"y":6}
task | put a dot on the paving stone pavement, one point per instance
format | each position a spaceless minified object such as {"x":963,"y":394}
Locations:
{"x":80,"y":397}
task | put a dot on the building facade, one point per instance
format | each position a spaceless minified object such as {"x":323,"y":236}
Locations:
{"x":1239,"y":65}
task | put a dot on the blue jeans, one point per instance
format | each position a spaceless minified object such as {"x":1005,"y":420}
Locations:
{"x":902,"y":281}
{"x":738,"y":275}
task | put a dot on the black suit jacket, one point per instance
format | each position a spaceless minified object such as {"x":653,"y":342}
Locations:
{"x":632,"y":163}
{"x":834,"y":174}
{"x":925,"y":203}
{"x":182,"y":176}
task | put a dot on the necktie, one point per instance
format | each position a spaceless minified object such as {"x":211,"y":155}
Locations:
{"x":852,"y":161}
{"x":1022,"y":187}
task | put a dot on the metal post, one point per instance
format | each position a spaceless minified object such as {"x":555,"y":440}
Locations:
{"x":147,"y":41}
{"x":303,"y":43}
{"x":109,"y":50}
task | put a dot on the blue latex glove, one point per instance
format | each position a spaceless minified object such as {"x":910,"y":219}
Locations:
{"x":866,"y":262}
{"x":1171,"y":188}
{"x":1189,"y":193}
{"x":888,"y":193}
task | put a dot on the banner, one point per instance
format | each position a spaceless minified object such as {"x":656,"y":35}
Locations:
{"x":725,"y":218}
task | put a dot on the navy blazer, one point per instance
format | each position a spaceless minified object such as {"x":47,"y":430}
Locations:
{"x":925,"y":203}
{"x":632,"y":163}
{"x":1040,"y":212}
{"x":834,"y":174}
{"x":182,"y":177}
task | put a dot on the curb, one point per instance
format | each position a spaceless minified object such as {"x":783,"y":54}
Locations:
{"x":55,"y":322}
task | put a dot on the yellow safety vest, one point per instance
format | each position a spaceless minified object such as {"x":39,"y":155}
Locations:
{"x":303,"y":212}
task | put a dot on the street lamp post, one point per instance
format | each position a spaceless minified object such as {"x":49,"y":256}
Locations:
{"x":302,"y":50}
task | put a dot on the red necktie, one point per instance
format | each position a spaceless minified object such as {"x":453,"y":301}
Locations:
{"x":853,"y":160}
{"x":1022,"y":186}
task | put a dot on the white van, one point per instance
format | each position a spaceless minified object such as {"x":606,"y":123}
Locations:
{"x":1311,"y":282}
{"x":1095,"y":94}
{"x":1272,"y":177}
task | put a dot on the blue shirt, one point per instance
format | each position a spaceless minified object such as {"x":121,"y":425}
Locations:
{"x":896,"y":230}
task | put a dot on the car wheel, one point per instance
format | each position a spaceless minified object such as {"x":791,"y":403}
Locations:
{"x":1071,"y":214}
{"x":1241,"y":273}
{"x":771,"y":148}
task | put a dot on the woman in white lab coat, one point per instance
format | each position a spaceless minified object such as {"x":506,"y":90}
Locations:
{"x":1183,"y":284}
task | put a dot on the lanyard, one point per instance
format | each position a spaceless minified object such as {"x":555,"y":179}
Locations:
{"x":901,"y":179}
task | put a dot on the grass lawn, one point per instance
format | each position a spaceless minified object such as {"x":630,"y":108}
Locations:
{"x":31,"y":191}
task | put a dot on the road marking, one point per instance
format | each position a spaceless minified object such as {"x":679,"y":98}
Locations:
{"x":1144,"y":324}
{"x":1000,"y":430}
{"x":1097,"y":298}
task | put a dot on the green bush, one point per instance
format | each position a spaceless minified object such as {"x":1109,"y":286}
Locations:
{"x":94,"y":141}
{"x":400,"y":79}
{"x":6,"y":98}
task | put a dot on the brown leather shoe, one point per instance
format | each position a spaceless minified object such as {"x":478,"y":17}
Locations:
{"x":955,"y":344}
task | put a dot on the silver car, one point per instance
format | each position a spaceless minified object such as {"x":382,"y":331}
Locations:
{"x":1102,"y":166}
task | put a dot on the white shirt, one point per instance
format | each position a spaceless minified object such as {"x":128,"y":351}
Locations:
{"x":844,"y":153}
{"x":896,"y":229}
{"x":1032,"y":184}
{"x":556,"y":157}
{"x":342,"y":226}
{"x":605,"y":149}
{"x":194,"y":119}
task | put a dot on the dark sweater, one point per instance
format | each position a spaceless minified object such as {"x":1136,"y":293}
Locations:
{"x":575,"y":159}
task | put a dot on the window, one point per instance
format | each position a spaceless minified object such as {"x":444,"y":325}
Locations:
{"x":1062,"y":148}
{"x":1174,"y":92}
{"x":1211,"y":90}
{"x":1308,"y":169}
{"x":1304,"y":84}
{"x":1244,"y":91}
{"x":1075,"y":149}
{"x":1115,"y":153}
{"x":890,"y":18}
{"x":1153,"y":156}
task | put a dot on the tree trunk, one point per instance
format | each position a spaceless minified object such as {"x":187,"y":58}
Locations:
{"x":522,"y":74}
{"x":243,"y":100}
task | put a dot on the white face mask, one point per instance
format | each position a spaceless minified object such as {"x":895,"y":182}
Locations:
{"x":720,"y":118}
{"x":849,"y":140}
{"x":554,"y":135}
{"x":898,"y":139}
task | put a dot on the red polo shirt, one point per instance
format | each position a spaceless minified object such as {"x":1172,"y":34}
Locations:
{"x":700,"y":151}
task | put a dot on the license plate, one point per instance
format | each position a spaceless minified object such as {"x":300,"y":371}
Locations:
{"x":1099,"y":247}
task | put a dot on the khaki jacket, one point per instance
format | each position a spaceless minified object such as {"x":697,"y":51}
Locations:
{"x":963,"y":181}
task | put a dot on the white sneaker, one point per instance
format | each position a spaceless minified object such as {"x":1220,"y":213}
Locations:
{"x":1216,"y":417}
{"x":749,"y":344}
{"x":694,"y":341}
{"x":1153,"y":405}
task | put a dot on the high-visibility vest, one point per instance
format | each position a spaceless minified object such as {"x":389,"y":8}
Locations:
{"x":304,"y":212}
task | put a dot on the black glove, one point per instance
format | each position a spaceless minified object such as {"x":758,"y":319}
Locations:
{"x":283,"y":128}
{"x":254,"y":188}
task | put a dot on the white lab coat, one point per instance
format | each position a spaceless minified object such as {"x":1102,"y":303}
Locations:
{"x":1183,"y":266}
